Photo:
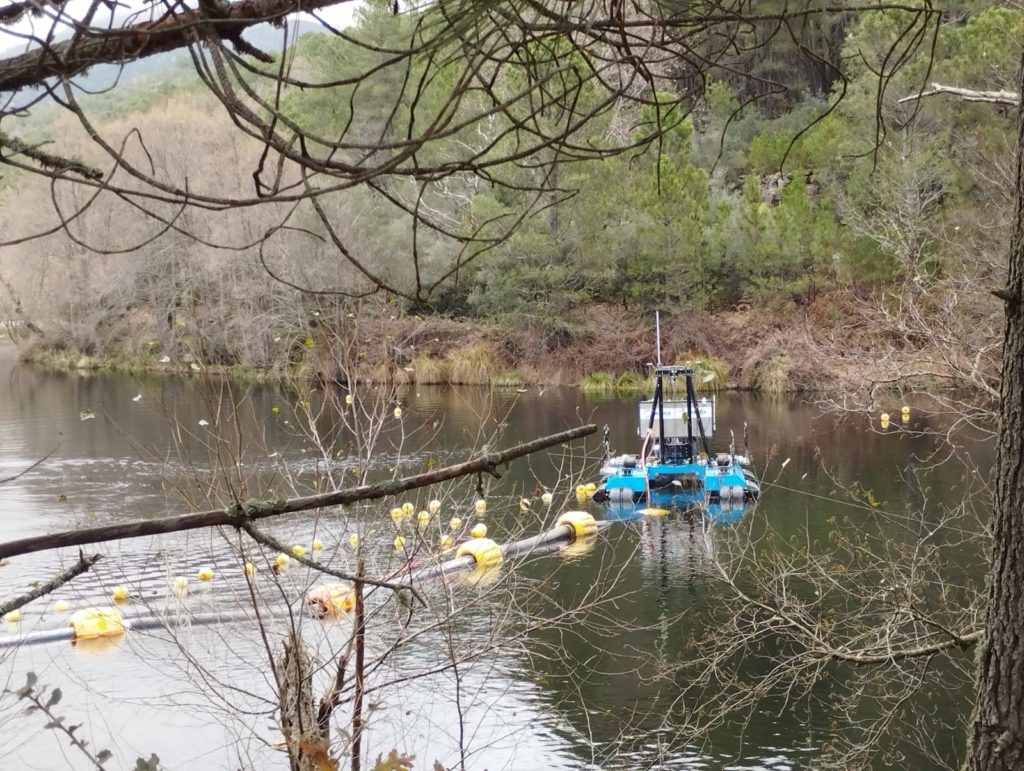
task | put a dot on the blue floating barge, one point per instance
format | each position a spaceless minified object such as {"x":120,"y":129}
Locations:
{"x":671,"y":468}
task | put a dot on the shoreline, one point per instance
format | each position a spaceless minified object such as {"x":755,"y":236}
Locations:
{"x":819,"y":350}
{"x":423,"y":371}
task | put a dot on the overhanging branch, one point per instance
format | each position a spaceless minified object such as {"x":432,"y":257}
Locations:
{"x":12,"y":12}
{"x":118,"y":46}
{"x":240,"y":513}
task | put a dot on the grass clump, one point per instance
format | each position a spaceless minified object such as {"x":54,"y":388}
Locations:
{"x":510,"y":379}
{"x":55,"y":359}
{"x":471,"y":365}
{"x":771,"y":375}
{"x":597,"y":383}
{"x":429,"y":371}
{"x":632,"y":382}
{"x":709,"y":373}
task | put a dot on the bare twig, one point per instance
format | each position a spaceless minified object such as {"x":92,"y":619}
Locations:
{"x":24,"y":471}
{"x":360,"y":673}
{"x":332,"y":698}
{"x":261,"y":537}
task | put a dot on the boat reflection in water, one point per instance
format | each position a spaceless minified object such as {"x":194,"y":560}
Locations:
{"x":694,"y":505}
{"x":676,"y":532}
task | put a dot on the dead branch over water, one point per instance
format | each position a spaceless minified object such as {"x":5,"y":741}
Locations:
{"x":83,"y":564}
{"x":241,"y":513}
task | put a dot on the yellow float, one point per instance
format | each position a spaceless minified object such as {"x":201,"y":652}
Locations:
{"x":581,"y":522}
{"x":485,"y":551}
{"x":91,"y":623}
{"x":330,"y":600}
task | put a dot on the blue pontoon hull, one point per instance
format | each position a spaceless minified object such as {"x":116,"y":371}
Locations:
{"x":713,"y":481}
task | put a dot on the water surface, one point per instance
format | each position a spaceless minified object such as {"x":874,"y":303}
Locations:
{"x":577,"y":694}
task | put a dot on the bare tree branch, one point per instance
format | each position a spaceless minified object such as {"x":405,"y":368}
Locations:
{"x":238,"y":514}
{"x":1010,"y":98}
{"x":168,"y":33}
{"x":260,"y":537}
{"x":15,"y":146}
{"x":83,"y":564}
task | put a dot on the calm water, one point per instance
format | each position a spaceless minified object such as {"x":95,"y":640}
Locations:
{"x":570,"y":694}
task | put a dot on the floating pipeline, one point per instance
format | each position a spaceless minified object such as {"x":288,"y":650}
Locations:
{"x":120,"y":626}
{"x":481,"y":553}
{"x":572,"y":525}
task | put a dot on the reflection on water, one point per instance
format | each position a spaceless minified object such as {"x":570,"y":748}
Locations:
{"x":202,"y":694}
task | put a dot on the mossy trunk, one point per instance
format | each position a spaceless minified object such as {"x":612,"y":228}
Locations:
{"x":998,"y":731}
{"x":298,"y":710}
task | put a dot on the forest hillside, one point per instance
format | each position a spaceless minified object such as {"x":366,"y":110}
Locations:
{"x":802,"y":237}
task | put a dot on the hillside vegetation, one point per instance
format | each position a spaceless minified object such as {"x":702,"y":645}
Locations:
{"x":818,"y":234}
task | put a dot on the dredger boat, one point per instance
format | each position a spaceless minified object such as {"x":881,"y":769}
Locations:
{"x":675,"y":466}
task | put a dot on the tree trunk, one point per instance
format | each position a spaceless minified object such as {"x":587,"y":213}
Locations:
{"x":998,"y":733}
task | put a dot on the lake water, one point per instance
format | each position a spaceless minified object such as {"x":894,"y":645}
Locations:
{"x":539,"y":684}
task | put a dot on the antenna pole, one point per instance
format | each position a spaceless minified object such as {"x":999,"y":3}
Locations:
{"x":657,"y":336}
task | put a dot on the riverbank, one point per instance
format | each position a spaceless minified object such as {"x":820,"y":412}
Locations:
{"x":601,"y":348}
{"x":36,"y":353}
